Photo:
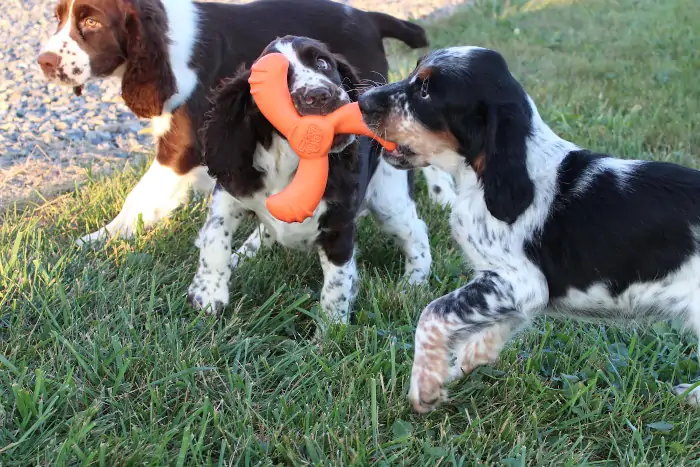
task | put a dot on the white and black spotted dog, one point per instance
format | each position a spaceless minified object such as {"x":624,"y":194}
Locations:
{"x":250,"y":161}
{"x":548,"y":227}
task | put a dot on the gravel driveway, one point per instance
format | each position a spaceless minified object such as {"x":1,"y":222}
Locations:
{"x":48,"y":136}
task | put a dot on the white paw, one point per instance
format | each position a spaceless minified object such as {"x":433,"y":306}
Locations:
{"x":98,"y":236}
{"x":208,"y":293}
{"x":105,"y":233}
{"x":692,"y":398}
{"x":416,"y":277}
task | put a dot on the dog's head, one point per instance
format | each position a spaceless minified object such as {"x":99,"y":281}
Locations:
{"x":319,"y":81}
{"x":460,"y":106}
{"x":126,"y":39}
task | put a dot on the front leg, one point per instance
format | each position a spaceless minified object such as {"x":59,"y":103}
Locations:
{"x":209,"y":289}
{"x":337,"y":253}
{"x":159,"y":192}
{"x":472,"y":324}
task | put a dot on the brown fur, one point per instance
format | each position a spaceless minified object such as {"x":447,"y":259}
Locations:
{"x":148,"y":80}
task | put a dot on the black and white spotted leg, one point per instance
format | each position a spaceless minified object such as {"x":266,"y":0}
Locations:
{"x":389,"y":200}
{"x":209,"y":288}
{"x":471,"y":325}
{"x":340,"y":282}
{"x":260,"y":237}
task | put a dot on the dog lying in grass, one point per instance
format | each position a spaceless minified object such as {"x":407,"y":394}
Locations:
{"x":549,"y":227}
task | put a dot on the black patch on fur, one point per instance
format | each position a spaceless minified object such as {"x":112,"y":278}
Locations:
{"x":617,"y":234}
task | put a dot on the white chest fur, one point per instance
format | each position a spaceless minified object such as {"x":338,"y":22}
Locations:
{"x":279,"y":163}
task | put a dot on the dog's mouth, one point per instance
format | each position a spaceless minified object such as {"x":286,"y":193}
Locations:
{"x":401,"y":158}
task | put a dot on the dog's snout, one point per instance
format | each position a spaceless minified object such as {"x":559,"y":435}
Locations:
{"x":368,"y":104}
{"x":48,"y":61}
{"x":314,"y":97}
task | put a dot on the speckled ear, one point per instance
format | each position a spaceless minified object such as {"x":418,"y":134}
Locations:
{"x":148,"y":79}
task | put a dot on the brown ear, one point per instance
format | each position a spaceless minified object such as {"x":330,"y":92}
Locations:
{"x":148,"y":79}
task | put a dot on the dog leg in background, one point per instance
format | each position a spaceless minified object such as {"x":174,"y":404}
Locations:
{"x":260,"y":237}
{"x":472,"y":324}
{"x":159,"y":192}
{"x":209,"y":288}
{"x":389,"y":201}
{"x":441,"y":186}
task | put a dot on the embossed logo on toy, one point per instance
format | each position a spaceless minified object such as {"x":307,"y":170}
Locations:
{"x":312,"y":140}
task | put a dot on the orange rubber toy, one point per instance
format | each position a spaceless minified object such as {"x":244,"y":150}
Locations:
{"x":310,"y":136}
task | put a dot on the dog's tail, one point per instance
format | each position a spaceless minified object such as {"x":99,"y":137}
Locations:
{"x":411,"y":34}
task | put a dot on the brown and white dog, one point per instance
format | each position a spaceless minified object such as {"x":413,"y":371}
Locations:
{"x":169,"y":54}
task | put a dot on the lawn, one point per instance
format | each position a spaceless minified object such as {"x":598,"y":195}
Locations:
{"x":102,"y":361}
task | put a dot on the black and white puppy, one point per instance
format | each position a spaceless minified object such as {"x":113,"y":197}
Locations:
{"x":548,"y":227}
{"x":250,"y":160}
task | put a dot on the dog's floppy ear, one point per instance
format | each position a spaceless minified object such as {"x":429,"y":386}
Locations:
{"x":148,"y":79}
{"x":230,"y":134}
{"x":508,"y":189}
{"x":349,"y":77}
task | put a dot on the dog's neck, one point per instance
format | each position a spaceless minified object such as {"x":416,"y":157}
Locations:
{"x":545,"y":149}
{"x":183,"y":28}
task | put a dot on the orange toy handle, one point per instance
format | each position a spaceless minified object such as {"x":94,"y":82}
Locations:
{"x":302,"y":196}
{"x":268,"y":86}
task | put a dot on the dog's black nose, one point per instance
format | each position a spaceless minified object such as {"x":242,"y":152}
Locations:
{"x":314,"y":97}
{"x":48,"y":61}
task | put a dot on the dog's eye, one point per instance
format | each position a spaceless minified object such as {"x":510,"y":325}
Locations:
{"x":91,"y":23}
{"x":322,"y":64}
{"x":424,"y":88}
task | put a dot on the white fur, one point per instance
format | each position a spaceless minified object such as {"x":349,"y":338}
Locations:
{"x":388,"y":200}
{"x":159,"y":192}
{"x":622,"y":169}
{"x":441,"y":186}
{"x":183,"y":29}
{"x":72,"y":57}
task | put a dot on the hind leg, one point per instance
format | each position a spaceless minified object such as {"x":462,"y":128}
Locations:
{"x":389,"y":200}
{"x":441,"y":186}
{"x":693,"y":396}
{"x":259,"y":238}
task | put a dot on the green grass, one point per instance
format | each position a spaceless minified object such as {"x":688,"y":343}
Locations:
{"x":101,"y":360}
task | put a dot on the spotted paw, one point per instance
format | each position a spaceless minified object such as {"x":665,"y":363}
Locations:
{"x":416,"y":277}
{"x":427,"y":390}
{"x":207,"y":296}
{"x":692,"y":398}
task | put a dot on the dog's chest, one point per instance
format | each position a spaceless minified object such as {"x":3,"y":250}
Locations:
{"x":279,"y":163}
{"x":486,"y":241}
